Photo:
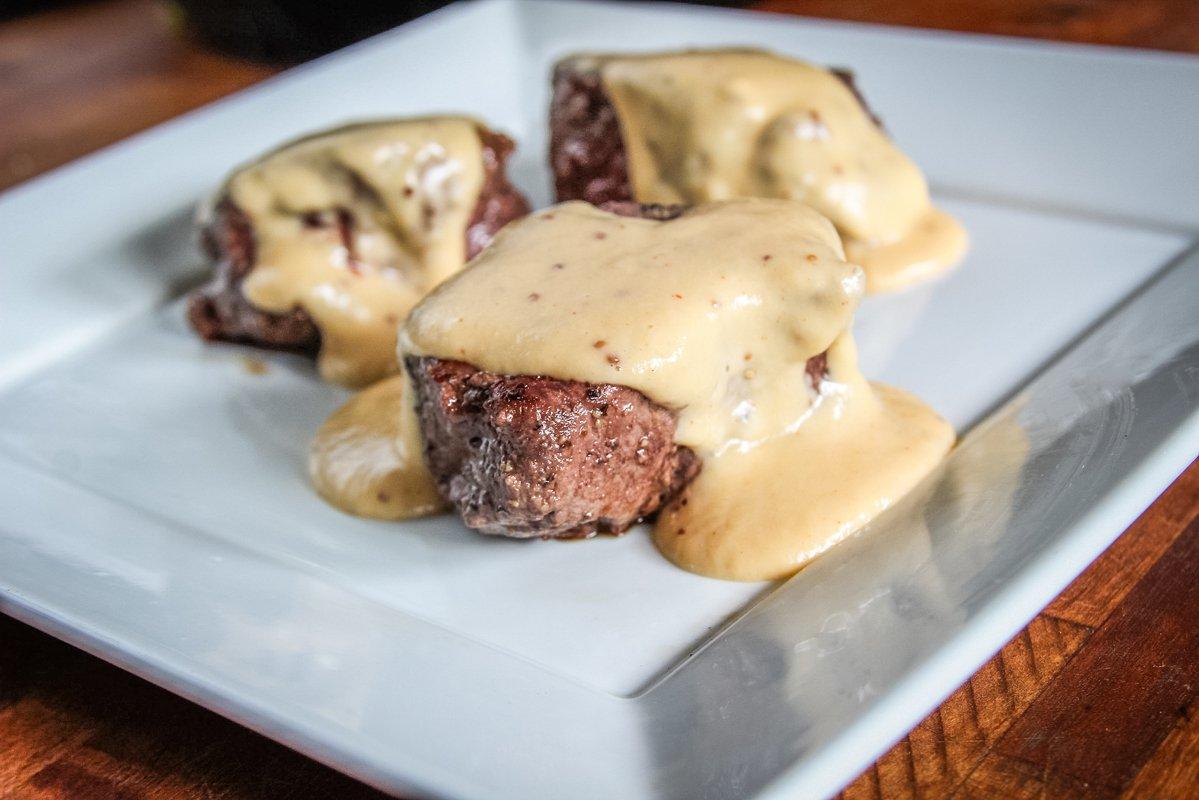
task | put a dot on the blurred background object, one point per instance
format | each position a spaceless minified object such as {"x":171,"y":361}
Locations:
{"x":281,"y":32}
{"x":15,"y":8}
{"x":289,"y":31}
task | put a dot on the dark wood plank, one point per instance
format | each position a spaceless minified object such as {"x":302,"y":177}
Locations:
{"x":1159,"y":24}
{"x":75,"y":728}
{"x":1091,"y":598}
{"x":1110,"y":707}
{"x":1175,"y":763}
{"x":938,"y":754}
{"x":1012,"y":779}
{"x":84,"y":76}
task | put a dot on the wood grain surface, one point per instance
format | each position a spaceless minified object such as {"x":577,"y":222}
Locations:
{"x":1097,"y":697}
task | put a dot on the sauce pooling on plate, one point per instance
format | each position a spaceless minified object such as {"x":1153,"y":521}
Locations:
{"x":366,"y":458}
{"x":711,"y":125}
{"x":396,"y":198}
{"x":713,"y":315}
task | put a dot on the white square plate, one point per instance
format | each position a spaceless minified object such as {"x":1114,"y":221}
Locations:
{"x":154,"y":509}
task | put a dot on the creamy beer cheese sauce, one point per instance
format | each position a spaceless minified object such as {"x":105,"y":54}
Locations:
{"x":366,"y":458}
{"x":713,"y":315}
{"x":357,"y":224}
{"x":711,"y":125}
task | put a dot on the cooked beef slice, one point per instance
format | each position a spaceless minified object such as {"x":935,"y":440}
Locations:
{"x":219,"y":311}
{"x":525,"y":456}
{"x":587,"y":152}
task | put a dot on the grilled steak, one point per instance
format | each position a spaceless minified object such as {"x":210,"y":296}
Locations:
{"x":531,"y":456}
{"x":525,"y":456}
{"x":219,"y":311}
{"x":587,"y":152}
{"x":587,"y":155}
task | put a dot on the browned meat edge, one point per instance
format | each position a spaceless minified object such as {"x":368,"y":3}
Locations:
{"x":219,"y":311}
{"x":524,"y":456}
{"x":587,"y":152}
{"x":527,"y":455}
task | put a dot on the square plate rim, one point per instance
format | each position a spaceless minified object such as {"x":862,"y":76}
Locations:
{"x":170,"y":676}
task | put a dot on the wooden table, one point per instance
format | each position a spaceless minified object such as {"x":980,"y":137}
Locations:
{"x":1098,"y":696}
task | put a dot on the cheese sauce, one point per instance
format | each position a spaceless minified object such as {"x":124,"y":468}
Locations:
{"x":357,"y":224}
{"x":764,"y":512}
{"x":366,"y":458}
{"x":711,"y":125}
{"x":713,"y":315}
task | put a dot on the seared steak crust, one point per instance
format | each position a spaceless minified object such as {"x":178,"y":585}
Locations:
{"x":587,"y":152}
{"x":587,"y":155}
{"x":525,"y":456}
{"x":219,"y":311}
{"x":499,"y":201}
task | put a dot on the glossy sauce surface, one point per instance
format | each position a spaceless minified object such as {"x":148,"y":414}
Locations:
{"x":716,"y":124}
{"x":713,"y":315}
{"x":366,"y":458}
{"x":355,"y":225}
{"x":764,"y":512}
